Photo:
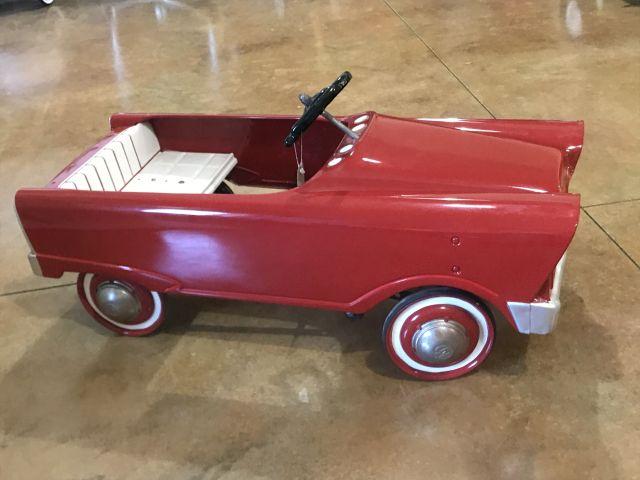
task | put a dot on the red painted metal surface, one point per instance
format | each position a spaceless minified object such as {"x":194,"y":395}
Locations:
{"x":478,"y":205}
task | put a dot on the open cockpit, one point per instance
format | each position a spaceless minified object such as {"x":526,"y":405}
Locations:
{"x":184,"y":154}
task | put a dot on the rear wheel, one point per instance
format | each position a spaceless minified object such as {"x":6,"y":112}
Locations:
{"x":123,"y":307}
{"x":438,"y":335}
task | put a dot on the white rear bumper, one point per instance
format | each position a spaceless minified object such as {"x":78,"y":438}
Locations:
{"x":539,"y":317}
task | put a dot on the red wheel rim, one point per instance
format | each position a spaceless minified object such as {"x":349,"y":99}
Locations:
{"x":400,"y":331}
{"x":450,"y":313}
{"x":148,"y":319}
{"x":142,"y":295}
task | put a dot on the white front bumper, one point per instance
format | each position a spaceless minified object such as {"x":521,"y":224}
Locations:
{"x":539,"y":317}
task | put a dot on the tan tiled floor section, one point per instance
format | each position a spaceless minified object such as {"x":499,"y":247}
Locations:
{"x":620,"y":220}
{"x":241,"y":391}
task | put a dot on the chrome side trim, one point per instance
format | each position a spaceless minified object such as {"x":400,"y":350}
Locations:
{"x":540,"y":317}
{"x":35,"y":266}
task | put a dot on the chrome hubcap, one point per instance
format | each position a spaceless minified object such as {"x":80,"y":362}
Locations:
{"x":440,"y":341}
{"x":117,"y":301}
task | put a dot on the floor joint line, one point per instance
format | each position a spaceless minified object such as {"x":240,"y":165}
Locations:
{"x":435,"y":54}
{"x":18,"y":292}
{"x":611,"y":238}
{"x":615,"y":202}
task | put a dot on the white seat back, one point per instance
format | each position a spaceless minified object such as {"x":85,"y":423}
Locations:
{"x":117,"y":162}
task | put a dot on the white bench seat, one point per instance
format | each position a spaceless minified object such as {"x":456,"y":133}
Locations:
{"x":182,"y":172}
{"x":132,"y":162}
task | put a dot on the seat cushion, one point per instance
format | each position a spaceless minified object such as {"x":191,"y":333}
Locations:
{"x":183,"y":172}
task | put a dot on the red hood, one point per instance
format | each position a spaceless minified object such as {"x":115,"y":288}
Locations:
{"x":402,"y":155}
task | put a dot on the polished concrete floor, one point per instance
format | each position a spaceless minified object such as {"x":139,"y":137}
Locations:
{"x":234,"y":390}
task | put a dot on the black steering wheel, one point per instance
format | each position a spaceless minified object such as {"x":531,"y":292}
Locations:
{"x":316,"y":106}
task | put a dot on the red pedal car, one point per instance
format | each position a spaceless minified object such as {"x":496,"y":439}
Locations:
{"x":459,"y":220}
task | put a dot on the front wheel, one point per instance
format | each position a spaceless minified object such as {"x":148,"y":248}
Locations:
{"x":438,"y":335}
{"x":123,"y":307}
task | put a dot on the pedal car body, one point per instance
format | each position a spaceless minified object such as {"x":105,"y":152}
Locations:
{"x":472,"y":211}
